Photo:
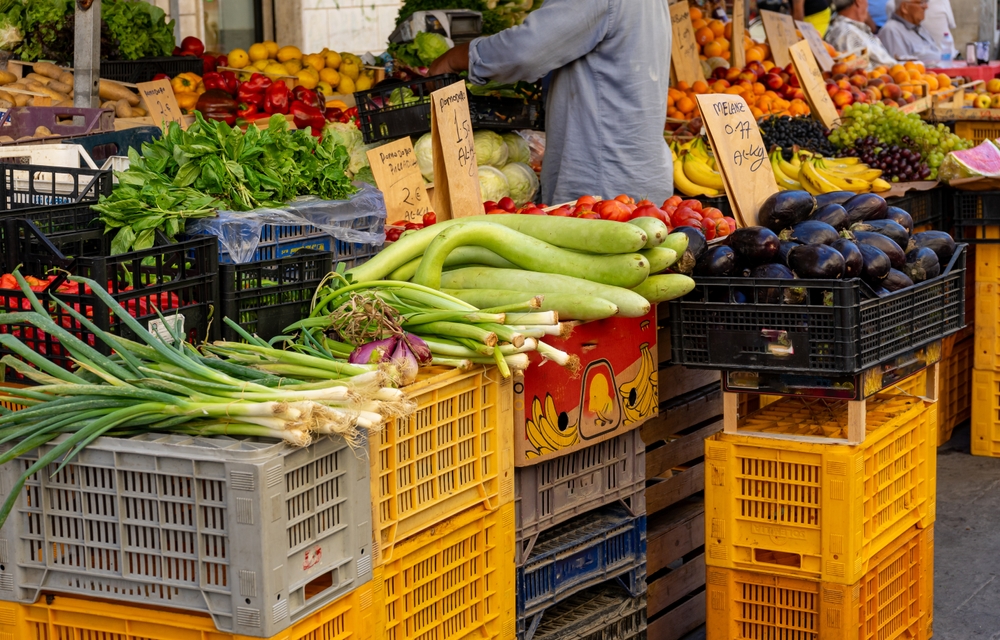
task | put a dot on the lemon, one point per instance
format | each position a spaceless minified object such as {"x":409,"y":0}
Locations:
{"x":333,"y":60}
{"x":315,"y":61}
{"x":276,"y":69}
{"x":308,"y":78}
{"x":325,"y":88}
{"x":293,"y":66}
{"x":289,"y":53}
{"x":260,"y":65}
{"x":258,"y":52}
{"x":346,"y":85}
{"x":238,"y":58}
{"x":330,"y":76}
{"x":350,"y":70}
{"x":272,"y":48}
{"x":364,"y":83}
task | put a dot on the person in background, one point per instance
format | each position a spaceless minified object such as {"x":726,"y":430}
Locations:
{"x":607,"y":102}
{"x":905,"y":38}
{"x":849,"y":31}
{"x":816,"y":12}
{"x":938,"y":20}
{"x":878,"y":13}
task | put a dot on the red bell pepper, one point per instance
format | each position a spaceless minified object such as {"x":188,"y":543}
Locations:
{"x":246,"y":110}
{"x":277,"y":98}
{"x":232,"y":82}
{"x":161,"y":76}
{"x":214,"y":80}
{"x":257,"y":83}
{"x":209,"y":63}
{"x":333,"y":114}
{"x":222,"y":61}
{"x":309,"y":97}
{"x":307,"y":116}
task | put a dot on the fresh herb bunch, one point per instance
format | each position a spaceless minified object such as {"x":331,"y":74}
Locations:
{"x":210,"y":166}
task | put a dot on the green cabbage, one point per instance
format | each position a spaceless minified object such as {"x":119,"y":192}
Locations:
{"x":425,"y":157}
{"x":517,"y":147}
{"x":493,"y":184}
{"x":522,"y":181}
{"x":430,"y":46}
{"x":490,"y":149}
{"x":349,"y":137}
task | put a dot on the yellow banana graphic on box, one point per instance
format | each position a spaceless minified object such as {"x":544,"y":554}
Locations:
{"x":544,"y":434}
{"x":640,"y":395}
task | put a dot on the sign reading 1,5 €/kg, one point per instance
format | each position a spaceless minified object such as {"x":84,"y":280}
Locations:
{"x":397,"y":174}
{"x":456,"y":175}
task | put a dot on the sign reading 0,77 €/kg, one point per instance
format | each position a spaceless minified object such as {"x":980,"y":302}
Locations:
{"x":813,"y":85}
{"x":739,"y":153}
{"x":397,"y":174}
{"x":456,"y":174}
{"x":684,"y":49}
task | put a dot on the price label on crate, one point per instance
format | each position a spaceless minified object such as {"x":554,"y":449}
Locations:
{"x":739,"y":153}
{"x":161,"y":105}
{"x":809,"y":32}
{"x":780,"y":31}
{"x":813,"y":85}
{"x":739,"y":26}
{"x":684,"y":49}
{"x":397,"y":174}
{"x":456,"y":175}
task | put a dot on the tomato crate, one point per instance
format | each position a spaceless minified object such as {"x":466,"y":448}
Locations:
{"x":601,"y":545}
{"x":955,"y":399}
{"x":604,"y":612}
{"x":553,"y":491}
{"x":985,"y":413}
{"x":455,"y":580}
{"x":453,"y":453}
{"x":892,"y":600}
{"x":927,"y":208}
{"x":28,"y":186}
{"x":256,"y":534}
{"x":349,"y":617}
{"x":782,"y":498}
{"x":841,"y":328}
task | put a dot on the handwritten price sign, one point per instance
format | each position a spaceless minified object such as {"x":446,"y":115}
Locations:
{"x":397,"y":174}
{"x":456,"y":175}
{"x":684,"y":56}
{"x":780,"y":31}
{"x":813,"y":85}
{"x":161,"y":105}
{"x":815,"y":41}
{"x":739,"y":152}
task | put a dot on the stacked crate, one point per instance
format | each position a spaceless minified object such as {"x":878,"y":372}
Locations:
{"x":986,"y":358}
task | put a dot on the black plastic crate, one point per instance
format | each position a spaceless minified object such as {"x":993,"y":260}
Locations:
{"x":179,"y":280}
{"x":381,"y":122}
{"x":28,"y":186}
{"x":506,"y":114}
{"x":842,"y":328}
{"x":605,"y":612}
{"x":47,"y":237}
{"x":101,"y":146}
{"x":266,"y":296}
{"x":144,"y":69}
{"x":976,"y":216}
{"x":927,"y":208}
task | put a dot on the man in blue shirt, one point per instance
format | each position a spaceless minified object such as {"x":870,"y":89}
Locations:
{"x":607,"y":101}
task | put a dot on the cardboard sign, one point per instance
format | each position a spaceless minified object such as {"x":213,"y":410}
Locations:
{"x":684,"y":49}
{"x":397,"y":174}
{"x":739,"y":152}
{"x":813,"y":85}
{"x":161,"y":105}
{"x":780,"y":31}
{"x":809,"y":32}
{"x":456,"y":176}
{"x":739,"y":26}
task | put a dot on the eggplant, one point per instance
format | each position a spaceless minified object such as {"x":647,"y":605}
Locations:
{"x":778,"y":295}
{"x":834,"y":197}
{"x":811,"y":232}
{"x":853,"y":262}
{"x":785,"y":209}
{"x":892,"y":230}
{"x":833,"y":214}
{"x":786,"y":246}
{"x":900,"y":217}
{"x":816,"y":261}
{"x":896,"y":280}
{"x":922,"y":264}
{"x":937,"y":241}
{"x":864,"y":207}
{"x":876,"y":265}
{"x":756,"y":245}
{"x":696,"y":246}
{"x":888,"y":246}
{"x":717,"y":261}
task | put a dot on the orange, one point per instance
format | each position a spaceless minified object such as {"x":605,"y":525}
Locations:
{"x":759,"y":89}
{"x":829,"y":49}
{"x":729,"y":30}
{"x":765,"y":49}
{"x":768,"y":65}
{"x":700,"y":86}
{"x":736,"y":91}
{"x":944,"y":81}
{"x":712,"y":49}
{"x":932,"y":82}
{"x":683,"y":86}
{"x":720,"y":85}
{"x":699,"y":24}
{"x":685,"y":105}
{"x":915,"y":75}
{"x":901,"y":76}
{"x":670,"y":101}
{"x":726,"y":55}
{"x":674,"y":113}
{"x":754,"y":54}
{"x":696,"y":13}
{"x":724,"y":43}
{"x":703,"y":36}
{"x":718,"y":27}
{"x":756,"y":113}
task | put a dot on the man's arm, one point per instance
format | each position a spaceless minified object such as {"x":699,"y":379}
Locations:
{"x":454,"y":60}
{"x":799,"y":9}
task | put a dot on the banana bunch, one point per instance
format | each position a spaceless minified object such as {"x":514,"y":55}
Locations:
{"x":818,"y":175}
{"x":543,"y":430}
{"x":695,"y":172}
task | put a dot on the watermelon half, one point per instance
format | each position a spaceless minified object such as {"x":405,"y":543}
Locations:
{"x":983,"y":161}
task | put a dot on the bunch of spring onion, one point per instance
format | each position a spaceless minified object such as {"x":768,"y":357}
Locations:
{"x":151,"y":386}
{"x":409,"y":324}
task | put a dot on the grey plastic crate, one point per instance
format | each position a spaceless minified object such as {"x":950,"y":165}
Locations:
{"x":552,"y":492}
{"x":255,"y":533}
{"x":604,"y":612}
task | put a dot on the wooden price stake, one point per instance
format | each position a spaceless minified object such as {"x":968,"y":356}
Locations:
{"x":397,"y":174}
{"x":739,"y":153}
{"x":780,"y":31}
{"x":809,"y":32}
{"x":684,"y":49}
{"x":813,"y":85}
{"x":161,"y":105}
{"x":739,"y":26}
{"x":456,"y":176}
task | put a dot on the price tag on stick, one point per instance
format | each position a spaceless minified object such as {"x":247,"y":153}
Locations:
{"x":397,"y":174}
{"x":739,"y":26}
{"x":161,"y":105}
{"x":739,"y":153}
{"x":780,"y":31}
{"x":456,"y":175}
{"x":809,"y":32}
{"x":684,"y":49}
{"x":813,"y":85}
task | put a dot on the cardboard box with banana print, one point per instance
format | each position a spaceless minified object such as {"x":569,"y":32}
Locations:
{"x":613,"y":391}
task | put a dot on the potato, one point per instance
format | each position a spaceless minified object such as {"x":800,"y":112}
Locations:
{"x":139,"y":112}
{"x":123,"y":109}
{"x":6,"y":104}
{"x":6,"y":77}
{"x":17,"y":85}
{"x":23,"y":138}
{"x":48,"y":70}
{"x":109,"y":90}
{"x":55,"y":85}
{"x":21,"y":100}
{"x":55,"y":95}
{"x":66,"y":78}
{"x":42,"y":132}
{"x":6,"y":139}
{"x":6,"y":96}
{"x":42,"y":80}
{"x":109,"y":104}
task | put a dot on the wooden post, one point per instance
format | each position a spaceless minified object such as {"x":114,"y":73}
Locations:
{"x":730,"y":410}
{"x":856,"y":421}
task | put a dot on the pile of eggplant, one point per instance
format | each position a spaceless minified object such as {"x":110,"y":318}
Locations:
{"x":839,"y":235}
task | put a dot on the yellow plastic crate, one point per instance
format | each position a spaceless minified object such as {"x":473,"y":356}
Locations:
{"x":893,"y":600}
{"x":977,"y":131}
{"x":987,"y":334}
{"x":350,"y":617}
{"x":955,"y":394}
{"x":7,"y":404}
{"x":454,"y":452}
{"x":813,"y":510}
{"x":455,"y":580}
{"x":985,"y":413}
{"x":987,"y":257}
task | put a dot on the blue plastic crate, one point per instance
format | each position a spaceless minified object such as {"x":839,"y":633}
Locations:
{"x":282,"y":241}
{"x":605,"y":544}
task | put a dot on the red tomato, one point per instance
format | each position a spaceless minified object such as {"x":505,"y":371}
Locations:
{"x":684,"y":212}
{"x":631,"y":207}
{"x":614,"y":210}
{"x":672,"y":201}
{"x":711,"y":212}
{"x":429,"y":218}
{"x":534,"y":211}
{"x":732,"y":223}
{"x":643,"y":203}
{"x":494,"y":211}
{"x":488,"y":205}
{"x":397,"y":223}
{"x":586,"y":200}
{"x":650,"y":211}
{"x":708,"y":228}
{"x":393,"y":234}
{"x":507,"y":205}
{"x":563,"y":212}
{"x":624,"y":199}
{"x":580,"y":208}
{"x":589,"y":215}
{"x":693,"y":204}
{"x":413,"y":225}
{"x":722,"y":229}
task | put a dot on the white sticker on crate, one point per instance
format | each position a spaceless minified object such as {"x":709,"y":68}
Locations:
{"x":166,"y":327}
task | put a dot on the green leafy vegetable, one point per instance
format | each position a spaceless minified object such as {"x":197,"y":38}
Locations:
{"x":430,"y":46}
{"x":141,"y":29}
